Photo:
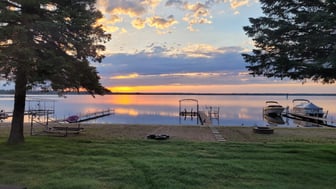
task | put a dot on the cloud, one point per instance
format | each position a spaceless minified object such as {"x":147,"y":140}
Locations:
{"x":163,"y":65}
{"x":145,"y":12}
{"x":161,"y":23}
{"x":238,"y":3}
{"x":114,"y":10}
{"x":128,"y":76}
{"x":139,"y":23}
{"x":234,"y":4}
{"x":192,"y":78}
{"x":132,"y":8}
{"x":201,"y":51}
{"x":109,"y":24}
{"x":198,"y":13}
{"x":174,"y":2}
{"x":128,"y":7}
{"x":156,"y":50}
{"x":155,"y":21}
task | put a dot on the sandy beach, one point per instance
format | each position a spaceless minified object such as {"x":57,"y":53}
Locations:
{"x":190,"y":133}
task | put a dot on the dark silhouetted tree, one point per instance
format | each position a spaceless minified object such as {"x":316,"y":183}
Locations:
{"x":295,"y":39}
{"x":49,"y":42}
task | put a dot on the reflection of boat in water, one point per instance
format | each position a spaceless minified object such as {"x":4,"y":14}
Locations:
{"x":309,"y":123}
{"x":274,"y":119}
{"x":307,"y":108}
{"x":273,"y":108}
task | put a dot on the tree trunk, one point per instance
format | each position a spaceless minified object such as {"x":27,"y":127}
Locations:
{"x":16,"y":134}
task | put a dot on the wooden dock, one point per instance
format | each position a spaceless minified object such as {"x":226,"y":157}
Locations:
{"x":95,"y":115}
{"x":204,"y":118}
{"x":187,"y":114}
{"x":207,"y":121}
{"x":86,"y":117}
{"x":190,"y":108}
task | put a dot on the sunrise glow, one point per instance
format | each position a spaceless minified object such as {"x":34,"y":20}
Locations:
{"x":191,"y":46}
{"x":241,"y":88}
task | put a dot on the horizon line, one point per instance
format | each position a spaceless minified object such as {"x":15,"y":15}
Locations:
{"x":182,"y":93}
{"x":214,"y":93}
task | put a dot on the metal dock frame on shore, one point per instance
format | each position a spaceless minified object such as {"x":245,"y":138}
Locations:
{"x":61,"y":127}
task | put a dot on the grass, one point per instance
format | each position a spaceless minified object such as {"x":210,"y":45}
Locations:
{"x":75,"y":162}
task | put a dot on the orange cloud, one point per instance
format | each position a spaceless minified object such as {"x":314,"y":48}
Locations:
{"x":238,"y":3}
{"x":130,"y":76}
{"x":114,"y":10}
{"x":108,"y":24}
{"x":138,"y":23}
{"x":199,"y":15}
{"x":161,"y":23}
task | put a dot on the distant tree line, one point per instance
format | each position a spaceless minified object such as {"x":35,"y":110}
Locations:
{"x":40,"y":92}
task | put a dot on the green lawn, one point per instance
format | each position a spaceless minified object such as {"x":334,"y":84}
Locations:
{"x":64,"y":163}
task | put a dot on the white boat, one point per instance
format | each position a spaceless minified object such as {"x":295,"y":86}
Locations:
{"x":273,"y":108}
{"x":304,"y":107}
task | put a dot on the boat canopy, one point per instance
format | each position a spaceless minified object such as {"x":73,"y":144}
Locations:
{"x":308,"y":106}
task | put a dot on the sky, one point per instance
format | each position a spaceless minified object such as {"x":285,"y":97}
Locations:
{"x":184,"y":46}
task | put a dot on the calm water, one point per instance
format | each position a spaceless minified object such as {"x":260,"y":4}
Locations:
{"x":164,"y":109}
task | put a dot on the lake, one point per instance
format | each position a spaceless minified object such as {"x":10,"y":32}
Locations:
{"x":234,"y":110}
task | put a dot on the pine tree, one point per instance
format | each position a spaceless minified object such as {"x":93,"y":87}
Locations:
{"x":295,"y":39}
{"x":49,"y":42}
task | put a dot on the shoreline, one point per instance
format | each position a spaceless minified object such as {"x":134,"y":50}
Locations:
{"x":175,"y":93}
{"x":190,"y":133}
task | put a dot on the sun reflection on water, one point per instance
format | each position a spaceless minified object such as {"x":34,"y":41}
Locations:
{"x":127,"y":111}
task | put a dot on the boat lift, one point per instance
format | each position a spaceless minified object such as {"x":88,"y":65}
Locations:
{"x":190,"y":108}
{"x":40,"y":109}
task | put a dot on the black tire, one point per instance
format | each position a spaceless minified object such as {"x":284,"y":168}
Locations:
{"x":162,"y":137}
{"x":263,"y":130}
{"x":152,"y":136}
{"x":158,"y":137}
